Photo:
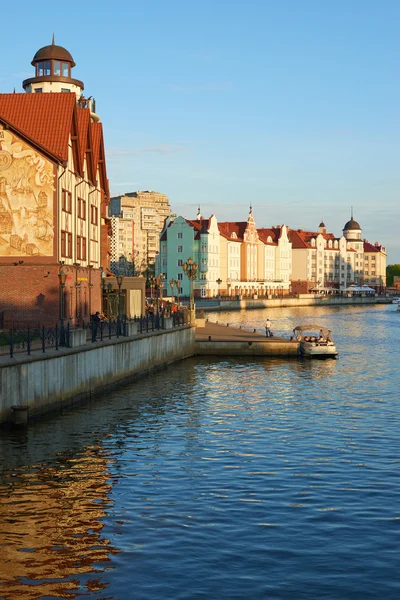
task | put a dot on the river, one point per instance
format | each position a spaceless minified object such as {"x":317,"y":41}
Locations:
{"x":218,"y":479}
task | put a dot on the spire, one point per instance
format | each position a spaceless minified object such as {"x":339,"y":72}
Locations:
{"x":198,"y":217}
{"x":352,"y":213}
{"x":52,"y":41}
{"x":251,"y":209}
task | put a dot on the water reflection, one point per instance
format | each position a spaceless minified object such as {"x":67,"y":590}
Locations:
{"x":254,"y":478}
{"x":52,"y":526}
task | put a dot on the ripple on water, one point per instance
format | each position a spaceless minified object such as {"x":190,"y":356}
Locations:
{"x":217,"y":479}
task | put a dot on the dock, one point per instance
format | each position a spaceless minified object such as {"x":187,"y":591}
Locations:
{"x":221,"y":339}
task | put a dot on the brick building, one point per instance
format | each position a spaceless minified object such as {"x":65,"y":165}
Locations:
{"x":53,"y":197}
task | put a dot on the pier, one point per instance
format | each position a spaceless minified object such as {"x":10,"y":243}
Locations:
{"x":217,"y":339}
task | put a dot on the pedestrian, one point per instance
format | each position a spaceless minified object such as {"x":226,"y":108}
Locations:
{"x":268,"y":332}
{"x":96,"y":320}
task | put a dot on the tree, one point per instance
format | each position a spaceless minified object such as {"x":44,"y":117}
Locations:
{"x":391,"y":272}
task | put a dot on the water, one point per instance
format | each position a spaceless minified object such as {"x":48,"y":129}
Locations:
{"x":218,"y":479}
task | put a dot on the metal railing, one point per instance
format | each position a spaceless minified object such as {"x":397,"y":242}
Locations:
{"x":40,"y":338}
{"x":17,"y":341}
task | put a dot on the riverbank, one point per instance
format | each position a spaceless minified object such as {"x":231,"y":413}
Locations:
{"x":288,"y":301}
{"x":43,"y":383}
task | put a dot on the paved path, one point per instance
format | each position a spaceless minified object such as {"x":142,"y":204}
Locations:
{"x":221,"y":332}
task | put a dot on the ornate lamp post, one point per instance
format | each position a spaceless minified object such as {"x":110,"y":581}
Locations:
{"x":172,"y":285}
{"x":190,"y":268}
{"x":62,"y":276}
{"x":218,"y":282}
{"x":119,"y":279}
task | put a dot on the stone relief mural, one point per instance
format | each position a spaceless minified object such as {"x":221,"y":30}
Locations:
{"x":26,"y":199}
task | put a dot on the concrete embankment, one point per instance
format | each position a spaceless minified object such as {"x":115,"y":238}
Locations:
{"x":214,"y":339}
{"x":48,"y":382}
{"x":301,"y":300}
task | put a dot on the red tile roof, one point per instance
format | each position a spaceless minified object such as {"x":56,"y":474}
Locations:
{"x":83,"y":116}
{"x":228,"y":227}
{"x":302,"y":239}
{"x":372,"y":248}
{"x":34,"y":115}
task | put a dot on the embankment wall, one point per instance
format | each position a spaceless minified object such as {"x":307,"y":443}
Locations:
{"x":45,"y":383}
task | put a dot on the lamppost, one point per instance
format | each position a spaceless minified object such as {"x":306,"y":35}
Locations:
{"x":62,"y":276}
{"x":161,"y":278}
{"x":190,"y":268}
{"x":172,"y":285}
{"x":119,"y":279}
{"x":218,"y":282}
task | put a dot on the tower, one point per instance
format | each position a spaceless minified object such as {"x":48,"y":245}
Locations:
{"x":53,"y":73}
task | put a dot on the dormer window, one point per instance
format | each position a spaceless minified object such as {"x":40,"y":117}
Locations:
{"x":233,"y":235}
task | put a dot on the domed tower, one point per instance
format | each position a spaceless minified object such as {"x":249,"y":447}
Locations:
{"x":322,"y":227}
{"x":352,"y":232}
{"x":53,"y":66}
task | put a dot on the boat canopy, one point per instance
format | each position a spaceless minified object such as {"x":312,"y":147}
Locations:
{"x":310,"y":327}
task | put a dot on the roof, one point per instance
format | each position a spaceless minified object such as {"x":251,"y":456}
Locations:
{"x":302,"y":239}
{"x":228,"y":227}
{"x":352,"y":224}
{"x":50,"y":121}
{"x":31,"y":114}
{"x":53,"y":52}
{"x":371,"y":247}
{"x":274,"y":233}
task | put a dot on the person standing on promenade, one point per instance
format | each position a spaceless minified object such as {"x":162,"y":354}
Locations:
{"x":268,"y":331}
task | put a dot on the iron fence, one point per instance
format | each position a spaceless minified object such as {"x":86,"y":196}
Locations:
{"x":17,"y":341}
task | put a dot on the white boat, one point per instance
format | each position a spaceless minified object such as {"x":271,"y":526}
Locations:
{"x":395,"y":299}
{"x":315,"y":341}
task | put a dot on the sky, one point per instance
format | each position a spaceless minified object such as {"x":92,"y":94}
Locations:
{"x":290,"y":106}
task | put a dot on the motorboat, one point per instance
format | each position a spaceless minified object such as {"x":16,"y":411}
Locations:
{"x":395,"y":299}
{"x":315,"y":341}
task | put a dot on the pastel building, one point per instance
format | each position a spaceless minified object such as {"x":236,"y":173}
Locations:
{"x":53,"y":197}
{"x":234,"y":258}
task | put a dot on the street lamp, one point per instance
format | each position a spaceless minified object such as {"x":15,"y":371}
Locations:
{"x":172,"y":285}
{"x":119,"y":279}
{"x":218,"y":282}
{"x":62,"y":276}
{"x":190,"y":268}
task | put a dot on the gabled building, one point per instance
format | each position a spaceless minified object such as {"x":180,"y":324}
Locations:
{"x":323,"y":262}
{"x":234,"y":258}
{"x":53,"y":197}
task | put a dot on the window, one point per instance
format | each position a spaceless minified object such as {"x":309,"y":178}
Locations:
{"x":180,"y":276}
{"x":180,"y":248}
{"x":38,"y":90}
{"x":81,"y":209}
{"x":67,"y":201}
{"x":66,"y":244}
{"x":56,"y":67}
{"x":94,"y":214}
{"x":180,"y":262}
{"x":46,"y":67}
{"x":65,"y":69}
{"x":80,"y":247}
{"x":180,"y":236}
{"x":65,"y":90}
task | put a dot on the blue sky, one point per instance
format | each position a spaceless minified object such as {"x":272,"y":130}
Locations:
{"x":291,"y":106}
